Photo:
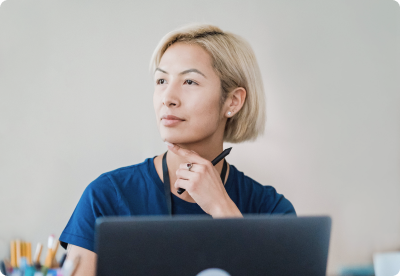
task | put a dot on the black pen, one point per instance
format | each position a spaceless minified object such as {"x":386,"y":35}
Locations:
{"x":214,"y":162}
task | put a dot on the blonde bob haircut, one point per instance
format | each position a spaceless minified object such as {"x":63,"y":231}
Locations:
{"x":235,"y":63}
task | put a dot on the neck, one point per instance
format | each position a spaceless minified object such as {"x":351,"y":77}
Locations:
{"x":174,"y":162}
{"x":209,"y":153}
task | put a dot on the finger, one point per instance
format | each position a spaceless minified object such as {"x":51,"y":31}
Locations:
{"x":187,"y":154}
{"x":198,"y":168}
{"x":186,"y":175}
{"x":182,"y":183}
{"x":185,"y":166}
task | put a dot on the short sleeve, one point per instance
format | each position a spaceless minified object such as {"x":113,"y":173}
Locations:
{"x":275,"y":203}
{"x":99,"y":199}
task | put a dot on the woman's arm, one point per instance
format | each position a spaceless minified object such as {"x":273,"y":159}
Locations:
{"x":87,"y":263}
{"x":98,"y":199}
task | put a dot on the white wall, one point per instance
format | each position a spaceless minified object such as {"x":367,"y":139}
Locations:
{"x":76,"y":101}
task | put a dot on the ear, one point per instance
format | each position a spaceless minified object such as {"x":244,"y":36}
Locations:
{"x":236,"y":100}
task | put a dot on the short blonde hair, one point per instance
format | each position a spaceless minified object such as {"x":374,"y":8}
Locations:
{"x":235,"y":63}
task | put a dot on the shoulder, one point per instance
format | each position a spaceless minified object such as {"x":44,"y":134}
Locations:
{"x":112,"y":186}
{"x":108,"y":189}
{"x":129,"y":171}
{"x":264,"y":198}
{"x":120,"y":176}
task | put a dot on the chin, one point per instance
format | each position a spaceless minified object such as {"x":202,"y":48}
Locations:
{"x":175,"y":138}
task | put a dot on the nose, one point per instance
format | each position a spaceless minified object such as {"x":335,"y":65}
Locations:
{"x":168,"y":101}
{"x":171,"y":95}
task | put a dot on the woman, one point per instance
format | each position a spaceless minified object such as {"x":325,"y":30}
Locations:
{"x":208,"y":90}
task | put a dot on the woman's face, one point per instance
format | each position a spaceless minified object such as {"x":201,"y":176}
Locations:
{"x":187,"y":87}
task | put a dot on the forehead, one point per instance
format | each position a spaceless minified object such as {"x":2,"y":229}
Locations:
{"x":184,"y":55}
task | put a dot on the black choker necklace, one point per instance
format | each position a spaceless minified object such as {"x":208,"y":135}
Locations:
{"x":167,"y":187}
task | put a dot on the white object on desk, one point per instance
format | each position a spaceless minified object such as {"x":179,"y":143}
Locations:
{"x":213,"y":272}
{"x":387,"y":264}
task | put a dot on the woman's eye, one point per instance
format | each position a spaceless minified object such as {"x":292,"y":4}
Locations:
{"x":190,"y":82}
{"x":160,"y":81}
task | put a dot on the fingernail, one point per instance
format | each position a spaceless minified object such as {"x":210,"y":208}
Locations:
{"x":169,"y":144}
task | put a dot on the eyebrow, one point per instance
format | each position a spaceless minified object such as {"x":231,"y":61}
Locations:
{"x":183,"y":72}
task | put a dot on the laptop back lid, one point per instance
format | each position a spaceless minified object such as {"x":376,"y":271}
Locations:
{"x":187,"y":245}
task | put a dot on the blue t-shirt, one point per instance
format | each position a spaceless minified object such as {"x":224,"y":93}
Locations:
{"x":137,"y":190}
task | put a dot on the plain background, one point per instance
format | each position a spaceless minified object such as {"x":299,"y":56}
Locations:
{"x":76,"y":101}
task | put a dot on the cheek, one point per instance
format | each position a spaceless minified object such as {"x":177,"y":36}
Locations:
{"x":157,"y":108}
{"x":205,"y":113}
{"x":156,"y":102}
{"x":155,"y":98}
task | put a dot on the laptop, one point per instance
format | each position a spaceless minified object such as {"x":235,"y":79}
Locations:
{"x":198,"y":245}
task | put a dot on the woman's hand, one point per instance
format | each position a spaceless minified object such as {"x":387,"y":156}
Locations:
{"x":87,"y":263}
{"x":204,"y":185}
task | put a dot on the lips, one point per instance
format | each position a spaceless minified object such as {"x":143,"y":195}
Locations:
{"x":171,"y":120}
{"x":171,"y":117}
